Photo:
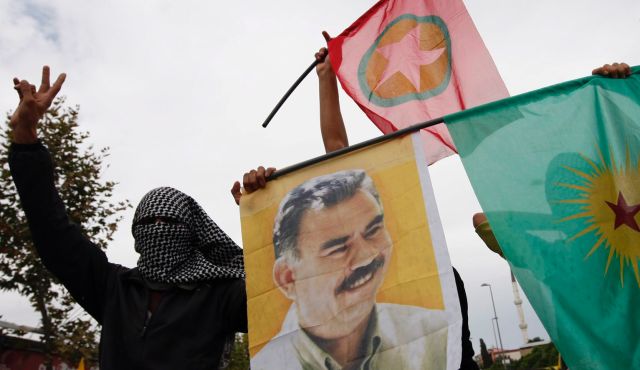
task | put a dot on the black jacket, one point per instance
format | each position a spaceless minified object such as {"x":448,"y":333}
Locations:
{"x":187,"y":330}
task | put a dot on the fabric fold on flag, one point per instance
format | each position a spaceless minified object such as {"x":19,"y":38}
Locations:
{"x":557,"y":171}
{"x":405,"y":62}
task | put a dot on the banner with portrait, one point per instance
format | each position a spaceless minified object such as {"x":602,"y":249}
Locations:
{"x":347,"y":266}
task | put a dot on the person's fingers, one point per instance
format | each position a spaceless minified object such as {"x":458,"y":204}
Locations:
{"x":269,"y":172}
{"x":321,"y":54}
{"x":33,"y":89}
{"x":24,"y":88}
{"x":252,"y":180}
{"x":249,"y":181}
{"x":605,"y":70}
{"x":16,"y":86}
{"x":245,"y":180}
{"x":326,"y":36}
{"x":262,"y":182}
{"x":45,"y":84}
{"x":621,"y":70}
{"x":236,"y":192}
{"x":615,"y":70}
{"x":55,"y":89}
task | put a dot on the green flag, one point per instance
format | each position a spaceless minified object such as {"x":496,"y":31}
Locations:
{"x":557,"y":172}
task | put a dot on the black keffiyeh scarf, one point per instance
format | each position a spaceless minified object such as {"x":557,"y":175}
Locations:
{"x":178,"y":242}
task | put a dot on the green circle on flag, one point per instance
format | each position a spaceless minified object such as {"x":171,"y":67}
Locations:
{"x":364,"y":74}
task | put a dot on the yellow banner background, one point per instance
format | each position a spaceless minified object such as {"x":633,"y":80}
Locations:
{"x":412,"y":278}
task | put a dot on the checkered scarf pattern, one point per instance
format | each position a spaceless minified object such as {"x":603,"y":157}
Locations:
{"x":190,"y":249}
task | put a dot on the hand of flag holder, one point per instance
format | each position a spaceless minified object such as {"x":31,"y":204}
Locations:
{"x":309,"y":162}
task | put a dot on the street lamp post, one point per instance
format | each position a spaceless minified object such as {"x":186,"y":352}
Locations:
{"x":495,"y":315}
{"x":495,"y":337}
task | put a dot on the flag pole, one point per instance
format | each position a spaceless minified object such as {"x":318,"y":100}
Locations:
{"x":286,"y":95}
{"x":349,"y":149}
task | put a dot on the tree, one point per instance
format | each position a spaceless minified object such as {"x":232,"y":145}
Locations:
{"x":536,"y":339}
{"x":541,"y":357}
{"x":78,"y":169}
{"x":240,"y":353}
{"x":484,"y":354}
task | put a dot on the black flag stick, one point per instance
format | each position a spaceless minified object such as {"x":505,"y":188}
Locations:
{"x":286,"y":95}
{"x":349,"y":149}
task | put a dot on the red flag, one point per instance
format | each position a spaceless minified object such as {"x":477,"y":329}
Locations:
{"x":408,"y":61}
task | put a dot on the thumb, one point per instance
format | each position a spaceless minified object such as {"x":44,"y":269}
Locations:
{"x":16,"y":87}
{"x":236,"y":192}
{"x":326,"y":36}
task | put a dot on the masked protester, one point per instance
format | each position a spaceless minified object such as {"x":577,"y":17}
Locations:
{"x":186,"y":297}
{"x":179,"y":244}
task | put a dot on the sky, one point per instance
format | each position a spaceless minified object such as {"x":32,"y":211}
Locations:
{"x":178,"y":91}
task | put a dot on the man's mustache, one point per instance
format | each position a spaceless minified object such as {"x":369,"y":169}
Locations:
{"x":359,"y":273}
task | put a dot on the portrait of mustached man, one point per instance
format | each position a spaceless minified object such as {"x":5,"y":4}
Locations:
{"x":332,"y":251}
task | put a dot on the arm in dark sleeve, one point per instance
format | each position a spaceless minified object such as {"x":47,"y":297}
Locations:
{"x":237,"y":307}
{"x":66,"y":252}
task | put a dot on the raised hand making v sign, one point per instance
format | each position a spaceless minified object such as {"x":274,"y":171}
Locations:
{"x":32,"y":106}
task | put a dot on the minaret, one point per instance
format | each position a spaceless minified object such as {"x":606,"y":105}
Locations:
{"x":518,"y":302}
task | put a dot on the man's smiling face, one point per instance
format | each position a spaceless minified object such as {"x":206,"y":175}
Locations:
{"x":343,"y":255}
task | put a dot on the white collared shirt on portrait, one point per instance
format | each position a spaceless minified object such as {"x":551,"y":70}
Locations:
{"x":397,"y":337}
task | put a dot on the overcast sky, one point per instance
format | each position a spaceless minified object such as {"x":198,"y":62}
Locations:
{"x":178,"y":90}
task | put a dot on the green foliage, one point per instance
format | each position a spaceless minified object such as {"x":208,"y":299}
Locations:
{"x":78,"y":170}
{"x":541,"y":357}
{"x":240,"y":353}
{"x":484,"y":354}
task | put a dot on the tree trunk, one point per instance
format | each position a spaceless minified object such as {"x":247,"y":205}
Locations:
{"x":47,"y":330}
